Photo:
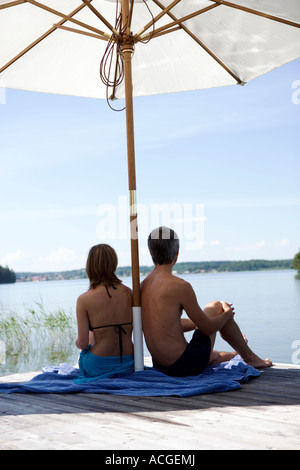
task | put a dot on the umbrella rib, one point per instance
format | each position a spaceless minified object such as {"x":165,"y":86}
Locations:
{"x":105,"y":37}
{"x":158,"y":17}
{"x":177,"y":21}
{"x":41,"y":38}
{"x":64,"y":16}
{"x":256,"y":12}
{"x":171,"y":30}
{"x":197,"y":40}
{"x":12,"y":4}
{"x":100,"y":17}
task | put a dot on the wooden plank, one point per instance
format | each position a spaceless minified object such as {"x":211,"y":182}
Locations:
{"x":264,"y":414}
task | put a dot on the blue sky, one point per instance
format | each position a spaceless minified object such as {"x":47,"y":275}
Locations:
{"x":221,"y":166}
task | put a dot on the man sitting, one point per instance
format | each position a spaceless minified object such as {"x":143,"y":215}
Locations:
{"x":164,"y":297}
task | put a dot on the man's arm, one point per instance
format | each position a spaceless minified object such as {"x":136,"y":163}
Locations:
{"x":206,"y":325}
{"x":187,"y":325}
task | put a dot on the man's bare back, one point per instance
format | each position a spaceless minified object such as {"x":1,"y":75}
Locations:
{"x":161,"y":315}
{"x":165,"y":296}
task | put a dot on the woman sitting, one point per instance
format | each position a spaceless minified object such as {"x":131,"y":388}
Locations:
{"x":104,"y":320}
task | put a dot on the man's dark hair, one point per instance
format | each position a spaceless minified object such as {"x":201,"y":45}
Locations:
{"x":163,"y":244}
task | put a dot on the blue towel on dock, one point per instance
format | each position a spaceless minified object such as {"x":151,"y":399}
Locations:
{"x":148,"y":383}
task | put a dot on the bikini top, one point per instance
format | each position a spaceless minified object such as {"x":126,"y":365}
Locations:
{"x":119,"y":330}
{"x":118,"y":326}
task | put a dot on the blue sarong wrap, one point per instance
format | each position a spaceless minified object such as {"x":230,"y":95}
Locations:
{"x":93,"y":367}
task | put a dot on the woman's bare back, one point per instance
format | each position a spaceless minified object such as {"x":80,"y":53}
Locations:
{"x":104,"y":307}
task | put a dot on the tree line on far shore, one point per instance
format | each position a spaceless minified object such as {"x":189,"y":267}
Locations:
{"x":7,"y":276}
{"x":296,"y":263}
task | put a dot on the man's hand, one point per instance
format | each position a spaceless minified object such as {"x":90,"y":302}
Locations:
{"x":227,"y":308}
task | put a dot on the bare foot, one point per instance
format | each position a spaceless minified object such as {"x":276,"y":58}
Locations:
{"x":258,"y":363}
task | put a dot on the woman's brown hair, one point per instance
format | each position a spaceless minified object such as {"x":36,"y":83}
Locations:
{"x":101,"y":266}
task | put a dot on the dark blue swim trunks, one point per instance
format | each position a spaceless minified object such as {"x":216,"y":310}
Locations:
{"x":194,"y":359}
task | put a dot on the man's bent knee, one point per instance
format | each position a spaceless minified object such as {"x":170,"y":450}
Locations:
{"x":214,"y":307}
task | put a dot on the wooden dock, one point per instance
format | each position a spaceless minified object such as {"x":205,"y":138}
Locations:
{"x":264,"y":414}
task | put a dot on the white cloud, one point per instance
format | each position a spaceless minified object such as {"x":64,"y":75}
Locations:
{"x":13,"y":259}
{"x":59,"y":260}
{"x":282,"y":243}
{"x":214,"y":242}
{"x":10,"y":257}
{"x":249,"y":247}
{"x":260,"y":244}
{"x":253,"y":203}
{"x":48,"y":213}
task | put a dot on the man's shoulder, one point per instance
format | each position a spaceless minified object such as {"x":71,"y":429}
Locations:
{"x":182,"y":284}
{"x":168,"y":283}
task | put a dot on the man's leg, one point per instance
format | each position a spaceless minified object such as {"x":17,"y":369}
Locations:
{"x":211,"y":310}
{"x":233,"y":336}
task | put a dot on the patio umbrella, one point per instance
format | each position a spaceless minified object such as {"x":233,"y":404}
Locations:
{"x":142,"y":47}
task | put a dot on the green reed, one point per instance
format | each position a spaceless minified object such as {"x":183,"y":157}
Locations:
{"x":36,"y":338}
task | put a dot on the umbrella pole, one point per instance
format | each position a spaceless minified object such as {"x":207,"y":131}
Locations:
{"x":127,"y":51}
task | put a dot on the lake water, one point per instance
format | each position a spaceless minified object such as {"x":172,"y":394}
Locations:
{"x":267,"y":307}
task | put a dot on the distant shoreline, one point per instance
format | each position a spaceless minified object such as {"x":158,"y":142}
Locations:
{"x":179,"y":268}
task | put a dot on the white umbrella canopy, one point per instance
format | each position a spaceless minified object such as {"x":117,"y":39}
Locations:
{"x":223,"y":44}
{"x":162,"y":46}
